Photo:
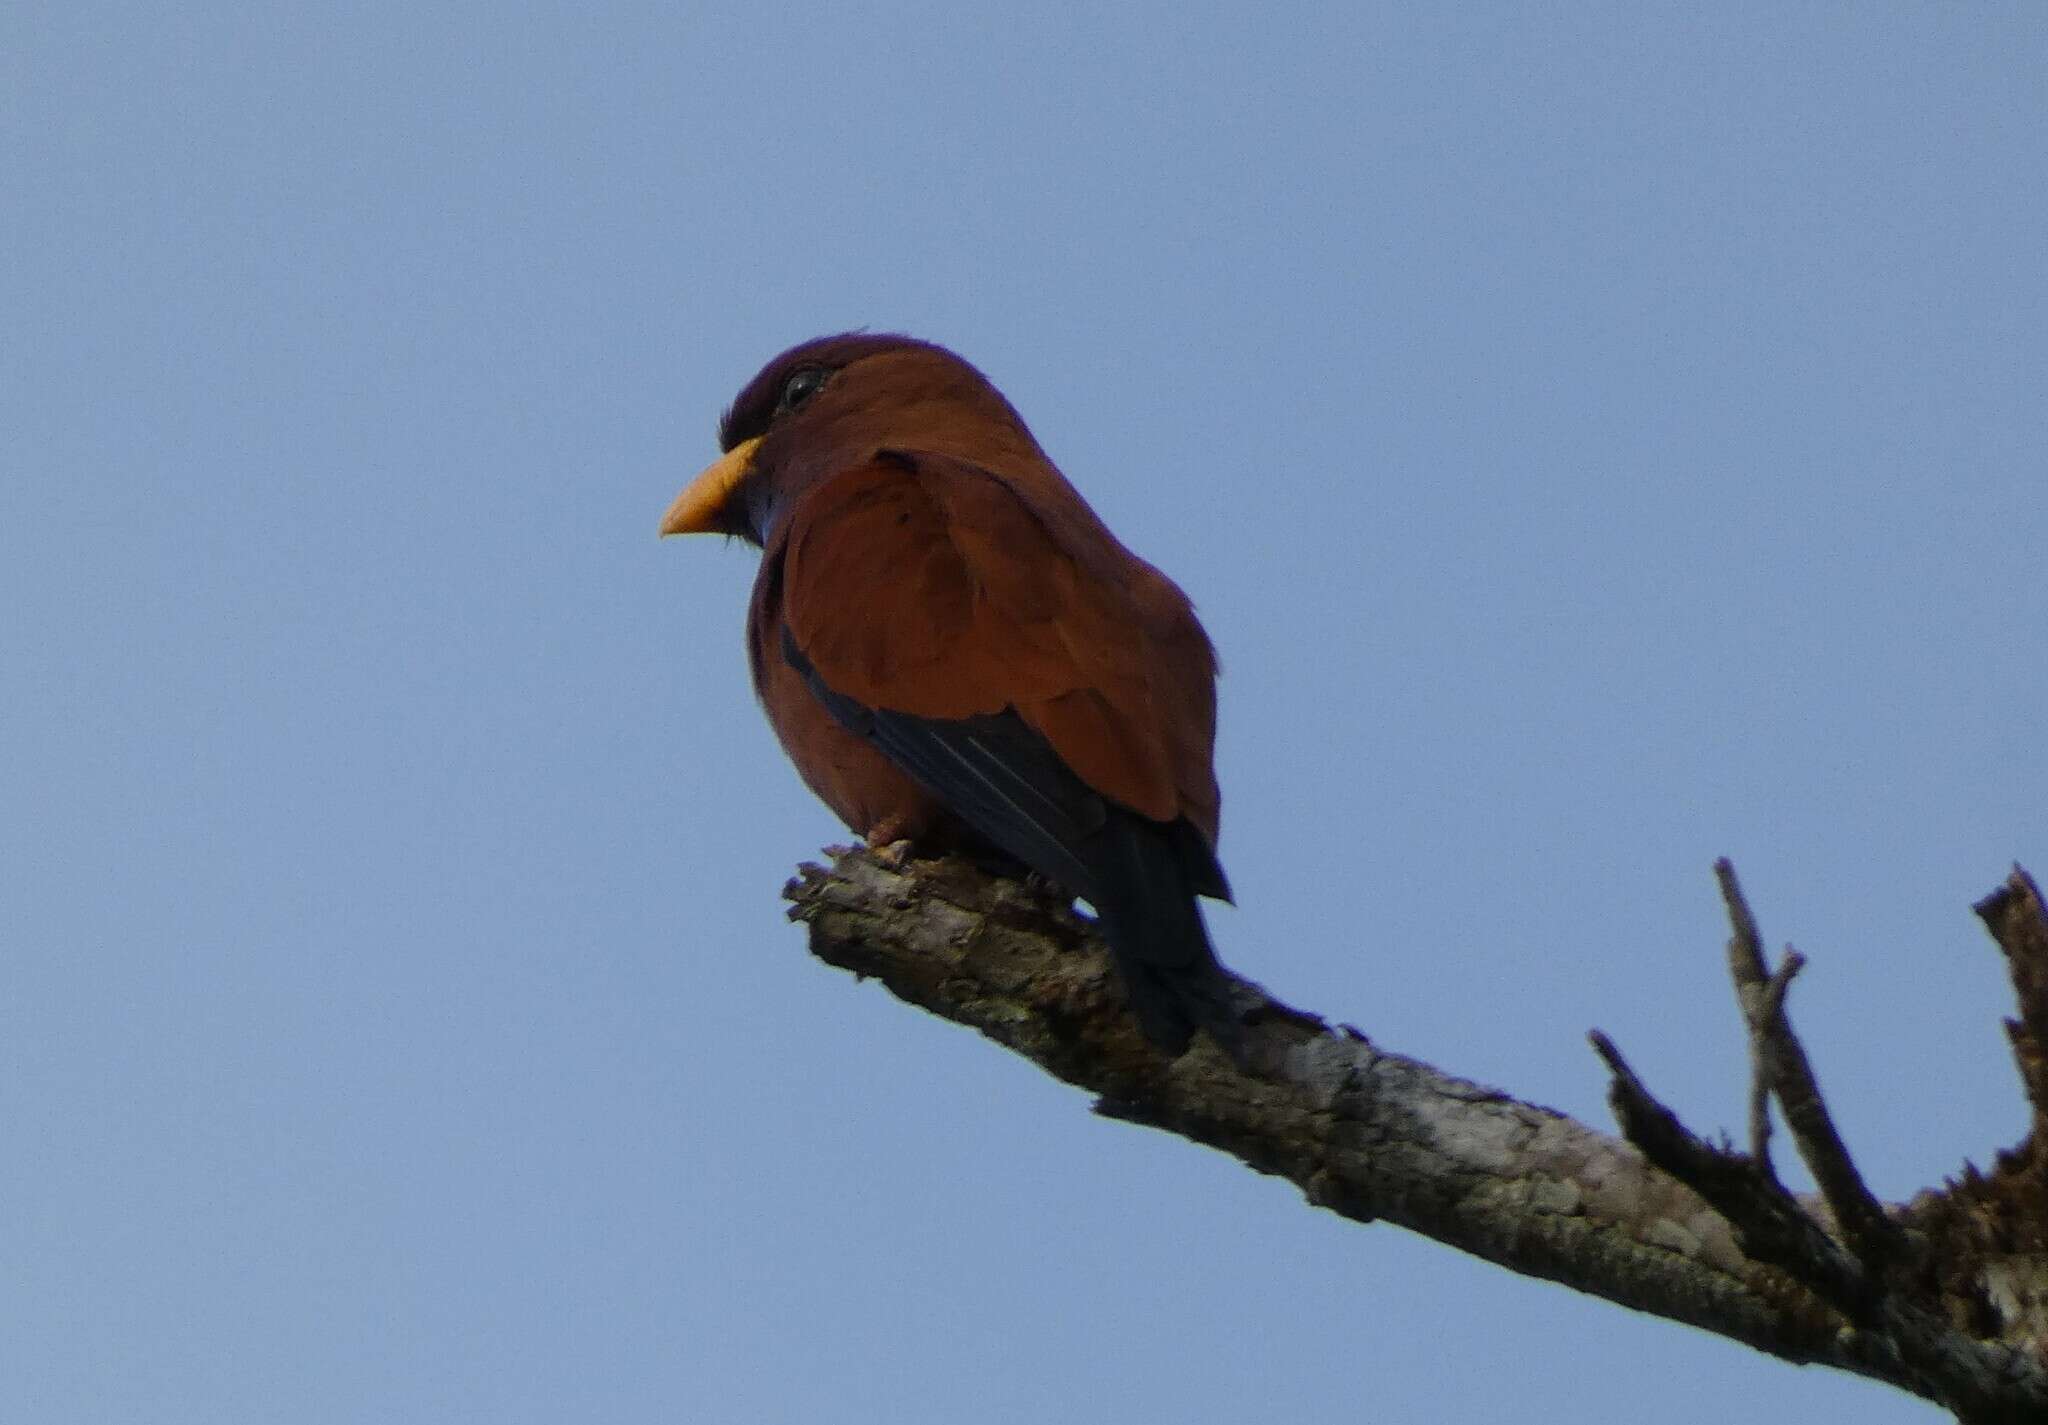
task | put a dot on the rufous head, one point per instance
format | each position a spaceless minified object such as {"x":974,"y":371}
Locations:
{"x":832,"y":404}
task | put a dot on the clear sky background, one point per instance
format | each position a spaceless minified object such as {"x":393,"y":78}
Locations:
{"x":1597,"y":442}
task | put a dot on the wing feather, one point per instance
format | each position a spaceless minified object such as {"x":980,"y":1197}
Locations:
{"x":929,"y":587}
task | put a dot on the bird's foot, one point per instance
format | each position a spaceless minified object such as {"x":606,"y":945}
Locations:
{"x":893,"y":852}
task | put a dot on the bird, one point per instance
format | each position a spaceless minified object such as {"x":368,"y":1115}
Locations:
{"x":954,"y":650}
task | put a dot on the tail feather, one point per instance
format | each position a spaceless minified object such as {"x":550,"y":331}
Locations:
{"x":1150,"y":917}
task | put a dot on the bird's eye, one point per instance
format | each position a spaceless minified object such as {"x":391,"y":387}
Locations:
{"x":801,"y":386}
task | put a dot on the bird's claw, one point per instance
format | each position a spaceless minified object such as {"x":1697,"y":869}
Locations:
{"x":893,"y":853}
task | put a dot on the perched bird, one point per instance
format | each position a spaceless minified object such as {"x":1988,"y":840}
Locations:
{"x":953,"y":648}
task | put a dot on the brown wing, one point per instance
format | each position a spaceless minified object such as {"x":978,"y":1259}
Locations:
{"x":1050,"y":689}
{"x":925,"y":586}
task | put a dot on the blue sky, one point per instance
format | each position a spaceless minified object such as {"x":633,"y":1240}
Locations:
{"x":1597,"y":442}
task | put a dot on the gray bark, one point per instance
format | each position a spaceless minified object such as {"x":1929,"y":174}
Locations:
{"x":1946,"y":1297}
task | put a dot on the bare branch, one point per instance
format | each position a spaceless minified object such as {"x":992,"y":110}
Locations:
{"x":1769,"y":1010}
{"x":1781,"y":1060}
{"x":1769,"y":1221}
{"x":1874,"y":1277}
{"x":1372,"y":1135}
{"x":2014,"y":915}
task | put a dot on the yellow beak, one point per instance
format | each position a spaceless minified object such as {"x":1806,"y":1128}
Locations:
{"x":696,"y":510}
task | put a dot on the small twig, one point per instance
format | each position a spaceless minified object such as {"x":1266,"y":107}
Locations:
{"x":1773,"y":1226}
{"x":2014,"y":915}
{"x":1782,"y":1061}
{"x":1770,"y":1009}
{"x":1746,"y":948}
{"x":1754,"y":995}
{"x":1781,"y":983}
{"x":1648,"y":1124}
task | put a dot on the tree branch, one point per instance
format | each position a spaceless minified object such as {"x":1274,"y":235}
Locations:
{"x":2014,"y":915}
{"x":1782,"y":1067}
{"x":1666,"y":1224}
